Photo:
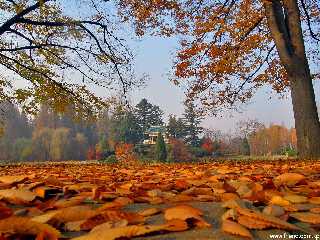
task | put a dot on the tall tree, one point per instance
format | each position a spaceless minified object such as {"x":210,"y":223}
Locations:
{"x":161,"y":150}
{"x":46,"y":43}
{"x":46,"y":118}
{"x":124,"y":126}
{"x":176,"y":127}
{"x":148,"y":115}
{"x":15,"y":126}
{"x":192,"y":124}
{"x":229,"y":49}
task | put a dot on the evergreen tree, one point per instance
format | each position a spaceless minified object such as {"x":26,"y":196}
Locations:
{"x":245,"y":148}
{"x":176,"y":127}
{"x":161,"y":150}
{"x":124,"y":126}
{"x":148,"y":115}
{"x":192,"y":124}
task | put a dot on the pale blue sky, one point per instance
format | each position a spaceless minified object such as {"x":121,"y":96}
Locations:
{"x":154,"y":56}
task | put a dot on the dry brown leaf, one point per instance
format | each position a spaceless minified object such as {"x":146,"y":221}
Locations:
{"x":235,"y":229}
{"x":289,"y":179}
{"x":251,"y":223}
{"x":69,"y":202}
{"x":17,"y":196}
{"x":73,"y":226}
{"x":229,"y":196}
{"x":5,"y":212}
{"x":299,"y":207}
{"x":149,"y":212}
{"x":315,"y":210}
{"x":44,"y":218}
{"x":13,"y":179}
{"x":308,"y":217}
{"x":184,"y":212}
{"x":314,"y":200}
{"x":105,"y":233}
{"x":70,"y":214}
{"x":229,"y":214}
{"x":110,"y":224}
{"x":236,"y":203}
{"x":274,"y":210}
{"x":296,"y":198}
{"x":25,"y":226}
{"x":111,"y":215}
{"x":277,"y":200}
{"x":273,"y":221}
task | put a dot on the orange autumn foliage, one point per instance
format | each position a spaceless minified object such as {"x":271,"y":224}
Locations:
{"x":124,"y":153}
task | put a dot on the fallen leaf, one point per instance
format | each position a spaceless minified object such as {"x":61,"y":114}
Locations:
{"x":105,"y":233}
{"x":314,"y":200}
{"x":68,"y":202}
{"x":273,"y":221}
{"x":277,"y":200}
{"x":5,"y":212}
{"x":25,"y":226}
{"x":289,"y":179}
{"x":273,"y":210}
{"x":296,"y":198}
{"x":251,"y":223}
{"x":12,"y":179}
{"x":235,"y":229}
{"x":185,"y":212}
{"x":110,"y":224}
{"x":149,"y":212}
{"x":111,"y":215}
{"x":17,"y":196}
{"x":308,"y":217}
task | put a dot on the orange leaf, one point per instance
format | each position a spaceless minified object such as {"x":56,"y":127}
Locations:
{"x":235,"y":229}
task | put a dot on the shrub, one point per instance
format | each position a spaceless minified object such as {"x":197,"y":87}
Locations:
{"x":145,"y":152}
{"x":161,"y":150}
{"x":91,"y":154}
{"x":178,"y":151}
{"x":111,"y":159}
{"x":290,"y":152}
{"x":199,"y":152}
{"x":207,"y":146}
{"x":124,"y":153}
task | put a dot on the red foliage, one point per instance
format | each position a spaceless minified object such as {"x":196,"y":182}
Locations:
{"x":207,"y":145}
{"x":91,"y":154}
{"x":124,"y":153}
{"x":179,"y":151}
{"x":98,"y":154}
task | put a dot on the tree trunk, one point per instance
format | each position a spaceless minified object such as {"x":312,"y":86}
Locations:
{"x":305,"y":111}
{"x":285,"y":27}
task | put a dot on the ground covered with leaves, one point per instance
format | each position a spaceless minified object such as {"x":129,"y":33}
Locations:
{"x":229,"y":200}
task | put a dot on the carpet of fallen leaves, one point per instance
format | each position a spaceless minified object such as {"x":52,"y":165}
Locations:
{"x":88,"y":201}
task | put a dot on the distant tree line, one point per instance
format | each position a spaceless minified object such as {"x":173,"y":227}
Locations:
{"x":65,"y":136}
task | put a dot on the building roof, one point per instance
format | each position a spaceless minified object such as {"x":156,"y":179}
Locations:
{"x":156,"y":129}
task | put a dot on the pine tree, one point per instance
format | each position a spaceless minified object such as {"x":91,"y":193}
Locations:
{"x":176,"y":127}
{"x":245,"y":148}
{"x":161,"y":150}
{"x":192,"y":124}
{"x":148,"y":115}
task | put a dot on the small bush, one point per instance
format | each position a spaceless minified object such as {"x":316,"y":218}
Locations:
{"x":290,"y":152}
{"x":110,"y":160}
{"x":178,"y":151}
{"x":161,"y":150}
{"x":199,"y":152}
{"x":125,"y":154}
